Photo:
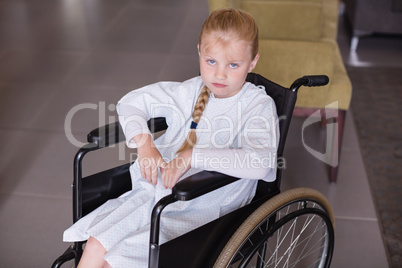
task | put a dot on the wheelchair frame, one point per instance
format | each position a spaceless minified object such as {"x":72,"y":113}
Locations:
{"x":94,"y":190}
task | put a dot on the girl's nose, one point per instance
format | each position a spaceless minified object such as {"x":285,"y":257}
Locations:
{"x":220,"y":73}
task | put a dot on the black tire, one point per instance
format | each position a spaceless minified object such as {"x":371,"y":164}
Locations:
{"x":292,"y":229}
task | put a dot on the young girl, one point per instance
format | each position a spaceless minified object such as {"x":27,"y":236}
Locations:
{"x":216,"y":122}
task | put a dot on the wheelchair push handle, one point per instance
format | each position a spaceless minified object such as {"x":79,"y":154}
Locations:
{"x":310,"y":81}
{"x":317,"y":80}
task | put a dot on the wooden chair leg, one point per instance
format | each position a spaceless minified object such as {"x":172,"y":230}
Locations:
{"x":323,"y":117}
{"x":336,"y":150}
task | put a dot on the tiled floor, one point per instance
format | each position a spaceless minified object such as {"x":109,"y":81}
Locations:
{"x":55,"y":55}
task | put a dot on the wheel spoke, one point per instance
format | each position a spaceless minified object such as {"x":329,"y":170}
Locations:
{"x":281,"y":240}
{"x":313,"y":234}
{"x":295,"y":230}
{"x":296,"y":242}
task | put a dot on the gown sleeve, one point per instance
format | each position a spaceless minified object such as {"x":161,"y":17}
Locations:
{"x":172,"y":100}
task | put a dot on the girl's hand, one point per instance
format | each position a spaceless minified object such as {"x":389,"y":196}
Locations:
{"x":174,"y":170}
{"x":149,"y":158}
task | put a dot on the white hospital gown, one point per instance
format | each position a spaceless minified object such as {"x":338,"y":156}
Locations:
{"x":237,"y":136}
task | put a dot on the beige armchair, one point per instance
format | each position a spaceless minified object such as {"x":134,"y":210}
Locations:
{"x":298,"y":37}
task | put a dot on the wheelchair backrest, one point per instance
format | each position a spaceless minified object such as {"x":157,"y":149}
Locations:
{"x":285,"y":100}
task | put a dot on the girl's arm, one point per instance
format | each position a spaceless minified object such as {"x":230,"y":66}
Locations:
{"x":171,"y":100}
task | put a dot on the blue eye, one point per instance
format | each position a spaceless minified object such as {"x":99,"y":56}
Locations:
{"x":233,"y":65}
{"x":211,"y":62}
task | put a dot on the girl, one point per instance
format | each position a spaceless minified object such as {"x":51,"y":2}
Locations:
{"x":216,"y":122}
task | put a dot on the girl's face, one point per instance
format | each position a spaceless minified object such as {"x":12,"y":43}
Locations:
{"x":224,"y":64}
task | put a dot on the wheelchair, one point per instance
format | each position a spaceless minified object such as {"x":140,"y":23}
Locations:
{"x":294,"y":228}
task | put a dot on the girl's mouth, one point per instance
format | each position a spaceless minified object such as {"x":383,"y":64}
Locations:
{"x":218,"y":85}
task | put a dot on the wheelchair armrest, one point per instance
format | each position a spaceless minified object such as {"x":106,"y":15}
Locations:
{"x":113,"y":133}
{"x":200,"y":184}
{"x":186,"y":189}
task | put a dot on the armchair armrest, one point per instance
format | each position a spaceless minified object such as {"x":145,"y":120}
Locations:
{"x":200,"y":184}
{"x":113,"y":133}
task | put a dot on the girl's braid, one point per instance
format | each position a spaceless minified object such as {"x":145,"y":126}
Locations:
{"x":199,"y":107}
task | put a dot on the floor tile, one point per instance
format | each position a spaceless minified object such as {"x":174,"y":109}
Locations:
{"x":20,"y":105}
{"x":118,"y":69}
{"x":359,"y":245}
{"x":20,"y":23}
{"x":41,"y":163}
{"x":180,"y":68}
{"x":187,"y":38}
{"x":350,"y":140}
{"x":56,"y":25}
{"x":350,"y":196}
{"x":23,"y":67}
{"x":163,"y":4}
{"x":78,"y":110}
{"x":129,"y":34}
{"x":32,"y":229}
{"x":36,"y":163}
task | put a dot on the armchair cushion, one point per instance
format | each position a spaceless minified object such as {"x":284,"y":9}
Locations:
{"x":293,"y":19}
{"x":296,"y":20}
{"x":283,"y":61}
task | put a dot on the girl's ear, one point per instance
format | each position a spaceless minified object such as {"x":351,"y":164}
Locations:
{"x":254,"y":62}
{"x":198,"y":48}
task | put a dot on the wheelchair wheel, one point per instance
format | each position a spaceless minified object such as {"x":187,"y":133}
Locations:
{"x":292,"y":229}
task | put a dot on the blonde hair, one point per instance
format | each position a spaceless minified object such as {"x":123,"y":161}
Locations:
{"x":227,"y":25}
